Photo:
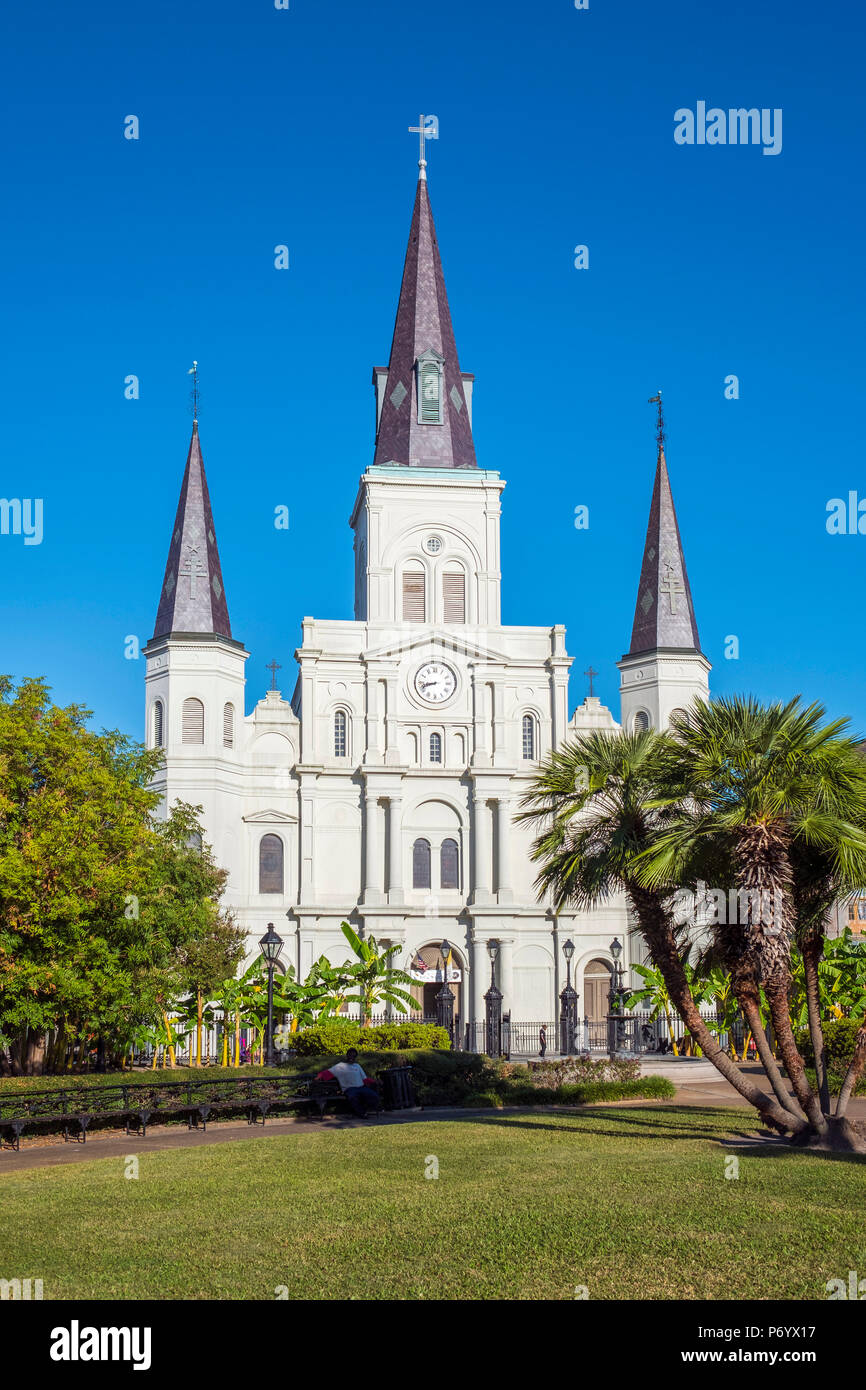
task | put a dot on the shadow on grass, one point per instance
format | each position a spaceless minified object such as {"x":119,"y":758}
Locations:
{"x":625,"y":1122}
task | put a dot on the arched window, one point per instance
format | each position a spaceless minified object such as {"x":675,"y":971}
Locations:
{"x":271,"y":864}
{"x":528,"y":736}
{"x":641,"y":722}
{"x":340,"y":734}
{"x":228,"y":726}
{"x":435,"y":748}
{"x":421,"y":864}
{"x":193,"y":722}
{"x":449,"y":865}
{"x":158,"y":725}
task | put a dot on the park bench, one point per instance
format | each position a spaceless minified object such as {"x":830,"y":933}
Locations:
{"x":395,"y":1089}
{"x":73,"y":1109}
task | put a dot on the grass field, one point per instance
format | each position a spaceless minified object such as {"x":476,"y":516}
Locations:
{"x":629,"y":1202}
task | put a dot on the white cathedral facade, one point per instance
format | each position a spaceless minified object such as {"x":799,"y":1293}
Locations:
{"x":384,"y":790}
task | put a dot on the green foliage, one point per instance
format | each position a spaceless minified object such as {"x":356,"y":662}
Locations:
{"x":839,"y":1036}
{"x":338,"y":1034}
{"x":572,"y":1070}
{"x":334,"y":1035}
{"x":482,"y":1100}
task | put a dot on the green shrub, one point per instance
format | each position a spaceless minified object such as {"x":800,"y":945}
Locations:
{"x":400,"y":1035}
{"x":333,"y":1035}
{"x":572,"y":1070}
{"x":839,"y":1037}
{"x":482,"y":1100}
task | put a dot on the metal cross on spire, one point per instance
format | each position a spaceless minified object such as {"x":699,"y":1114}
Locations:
{"x":273,"y":667}
{"x":660,"y":428}
{"x":193,"y":372}
{"x":423,"y":134}
{"x":592,"y":675}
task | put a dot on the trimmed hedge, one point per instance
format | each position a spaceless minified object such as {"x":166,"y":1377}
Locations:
{"x":337,"y":1035}
{"x":517,"y":1092}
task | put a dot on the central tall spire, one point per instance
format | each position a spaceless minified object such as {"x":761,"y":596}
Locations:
{"x":424,"y":415}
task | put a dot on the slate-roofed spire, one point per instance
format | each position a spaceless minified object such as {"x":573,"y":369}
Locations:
{"x":423,"y":348}
{"x":664,"y":614}
{"x":193,"y":598}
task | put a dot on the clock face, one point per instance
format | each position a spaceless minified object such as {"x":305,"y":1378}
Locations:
{"x":435,"y":682}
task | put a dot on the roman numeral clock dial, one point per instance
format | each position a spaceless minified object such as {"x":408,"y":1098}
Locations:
{"x":435,"y":682}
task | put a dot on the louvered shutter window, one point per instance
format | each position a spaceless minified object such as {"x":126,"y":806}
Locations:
{"x":421,"y":864}
{"x":454,"y":594}
{"x":413,"y":597}
{"x":158,"y":725}
{"x":449,"y":865}
{"x":340,"y":734}
{"x":641,"y":722}
{"x":228,"y":726}
{"x":193,"y":722}
{"x":430,"y":393}
{"x":271,"y":864}
{"x":435,"y":748}
{"x":528,"y":736}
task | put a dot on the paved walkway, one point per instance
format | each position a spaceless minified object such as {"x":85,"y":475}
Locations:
{"x":49,"y":1151}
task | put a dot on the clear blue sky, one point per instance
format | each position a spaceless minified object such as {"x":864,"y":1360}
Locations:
{"x":260,"y":126}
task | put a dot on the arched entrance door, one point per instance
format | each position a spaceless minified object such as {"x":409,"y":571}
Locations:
{"x":596,"y":984}
{"x":426,"y":970}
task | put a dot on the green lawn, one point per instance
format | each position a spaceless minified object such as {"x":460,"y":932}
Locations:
{"x":630,"y":1202}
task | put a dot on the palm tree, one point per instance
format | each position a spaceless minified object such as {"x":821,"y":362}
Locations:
{"x":597,"y":806}
{"x":784,"y":796}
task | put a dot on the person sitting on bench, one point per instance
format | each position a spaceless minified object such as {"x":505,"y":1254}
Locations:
{"x":351,"y":1076}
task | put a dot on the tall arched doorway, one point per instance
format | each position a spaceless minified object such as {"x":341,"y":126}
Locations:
{"x":426,"y":970}
{"x":596,"y":985}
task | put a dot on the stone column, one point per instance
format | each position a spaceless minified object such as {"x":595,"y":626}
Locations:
{"x":395,"y":849}
{"x":480,"y":964}
{"x":375,"y":864}
{"x":505,"y":893}
{"x":483,"y":850}
{"x":505,"y":972}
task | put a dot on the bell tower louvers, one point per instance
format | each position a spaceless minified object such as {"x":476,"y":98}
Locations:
{"x":194,"y":688}
{"x":664,"y":668}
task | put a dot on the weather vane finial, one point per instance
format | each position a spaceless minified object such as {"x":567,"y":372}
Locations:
{"x":660,"y":428}
{"x":423,"y":134}
{"x":193,"y":372}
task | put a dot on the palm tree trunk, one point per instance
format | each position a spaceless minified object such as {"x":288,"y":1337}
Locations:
{"x":809,"y":1101}
{"x":751,"y":1008}
{"x":658,"y":933}
{"x":854,"y":1072}
{"x":812,"y":951}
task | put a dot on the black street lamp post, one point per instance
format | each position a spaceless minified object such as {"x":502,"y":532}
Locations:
{"x":445,"y":998}
{"x":271,"y":944}
{"x":493,"y":1006}
{"x":616,"y":1002}
{"x":567,"y":1007}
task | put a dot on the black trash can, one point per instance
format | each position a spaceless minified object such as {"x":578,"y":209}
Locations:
{"x":398,"y":1093}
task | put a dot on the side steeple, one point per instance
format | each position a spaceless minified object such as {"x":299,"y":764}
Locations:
{"x":423,"y":399}
{"x":664,"y":667}
{"x":193,"y":597}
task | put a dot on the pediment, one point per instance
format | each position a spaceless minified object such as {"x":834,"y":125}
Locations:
{"x":268,"y":817}
{"x":439,"y":639}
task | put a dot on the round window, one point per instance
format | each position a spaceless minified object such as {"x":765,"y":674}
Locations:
{"x":433,"y":545}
